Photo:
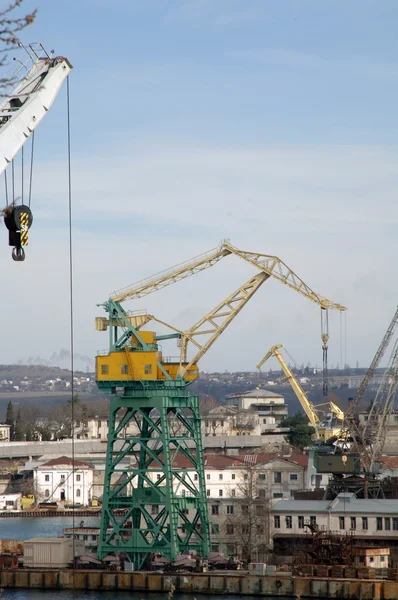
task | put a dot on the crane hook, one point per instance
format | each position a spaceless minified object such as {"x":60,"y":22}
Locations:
{"x":18,"y":220}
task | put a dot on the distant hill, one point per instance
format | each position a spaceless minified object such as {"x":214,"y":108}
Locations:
{"x":36,"y":371}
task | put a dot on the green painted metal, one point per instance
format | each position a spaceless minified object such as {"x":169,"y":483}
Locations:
{"x":158,"y":503}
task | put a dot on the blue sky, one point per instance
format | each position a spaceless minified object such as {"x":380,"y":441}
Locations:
{"x":271,"y":123}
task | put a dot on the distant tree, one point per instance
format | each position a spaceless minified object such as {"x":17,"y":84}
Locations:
{"x":19,"y":428}
{"x":206,"y":404}
{"x":10,"y":419}
{"x":300,"y":434}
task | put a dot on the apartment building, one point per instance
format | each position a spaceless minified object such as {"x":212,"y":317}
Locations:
{"x":263,"y":402}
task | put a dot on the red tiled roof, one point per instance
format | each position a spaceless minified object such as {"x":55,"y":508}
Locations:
{"x":391,"y":462}
{"x":65,"y":460}
{"x":222,"y":461}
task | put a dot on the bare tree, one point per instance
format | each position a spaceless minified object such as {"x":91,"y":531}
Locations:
{"x":244,"y":421}
{"x":248,"y":528}
{"x":206,"y":404}
{"x":10,"y":26}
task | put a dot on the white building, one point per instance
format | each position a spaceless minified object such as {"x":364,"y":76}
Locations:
{"x":263,"y":402}
{"x":10,"y":502}
{"x":373,"y":519}
{"x":64,"y":480}
{"x":4,"y":432}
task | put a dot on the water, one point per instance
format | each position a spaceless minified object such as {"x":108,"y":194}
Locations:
{"x":25,"y":528}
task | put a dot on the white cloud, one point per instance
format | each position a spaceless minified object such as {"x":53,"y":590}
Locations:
{"x":328,"y":211}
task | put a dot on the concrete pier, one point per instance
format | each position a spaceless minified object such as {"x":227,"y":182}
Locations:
{"x":219,"y":583}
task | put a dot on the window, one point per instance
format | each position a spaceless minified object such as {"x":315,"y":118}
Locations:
{"x":214,"y":509}
{"x":215,"y":527}
{"x":78,"y":493}
{"x":387,"y":523}
{"x":62,"y":477}
{"x":245,"y":528}
{"x":245,"y":477}
{"x":277,"y":495}
{"x":277,"y":477}
{"x":313,"y":520}
{"x":245,"y":509}
{"x":220,"y":493}
{"x":261,"y":493}
{"x":259,"y":510}
{"x":233,"y":492}
{"x":371,"y":558}
{"x":207,"y":423}
{"x":366,"y":417}
{"x":233,"y":476}
{"x":183,"y":493}
{"x":260,"y":529}
{"x":277,"y":522}
{"x":195,"y":477}
{"x":288,"y":522}
{"x":222,"y":423}
{"x":230,"y":529}
{"x":341,"y":523}
{"x":208,"y":492}
{"x":47,"y":493}
{"x":301,"y":522}
{"x":293,"y":477}
{"x":395,"y":523}
{"x":215,"y":547}
{"x":124,"y":369}
{"x":365,"y":523}
{"x":208,"y":476}
{"x":379,"y":523}
{"x":148,"y":370}
{"x":155,"y":509}
{"x":230,"y":509}
{"x":78,"y":477}
{"x":104,"y":369}
{"x":158,"y":476}
{"x":383,"y":558}
{"x":261,"y":476}
{"x":93,"y":538}
{"x":353,"y":522}
{"x":47,"y":478}
{"x":220,"y":476}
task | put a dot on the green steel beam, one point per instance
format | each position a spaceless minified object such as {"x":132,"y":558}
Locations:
{"x":142,"y":514}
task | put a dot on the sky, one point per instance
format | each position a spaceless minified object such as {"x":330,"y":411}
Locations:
{"x":269,"y":123}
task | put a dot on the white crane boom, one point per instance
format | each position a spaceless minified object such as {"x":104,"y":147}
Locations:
{"x":24,"y":106}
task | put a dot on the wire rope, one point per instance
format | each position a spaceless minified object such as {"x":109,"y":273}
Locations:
{"x":71,"y":317}
{"x":13,"y":181}
{"x":6,"y":186}
{"x":31,"y":167}
{"x":22,"y":190}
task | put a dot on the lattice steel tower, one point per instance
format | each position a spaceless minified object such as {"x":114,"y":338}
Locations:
{"x":157,"y":502}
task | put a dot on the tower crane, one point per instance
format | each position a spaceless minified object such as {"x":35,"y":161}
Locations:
{"x":323,"y":430}
{"x":162,"y":491}
{"x":34,"y":85}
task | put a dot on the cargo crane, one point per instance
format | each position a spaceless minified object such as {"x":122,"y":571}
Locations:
{"x":351,"y":429}
{"x":158,"y":503}
{"x":324,"y":428}
{"x":33,"y":87}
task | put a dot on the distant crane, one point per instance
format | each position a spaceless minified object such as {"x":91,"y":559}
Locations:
{"x":323,"y":430}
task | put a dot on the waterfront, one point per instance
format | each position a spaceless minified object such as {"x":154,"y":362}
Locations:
{"x":25,"y":529}
{"x":79,"y":595}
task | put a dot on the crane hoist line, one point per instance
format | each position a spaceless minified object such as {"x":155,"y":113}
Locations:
{"x":32,"y":88}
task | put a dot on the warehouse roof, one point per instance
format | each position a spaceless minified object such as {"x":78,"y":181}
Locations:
{"x":343,"y":503}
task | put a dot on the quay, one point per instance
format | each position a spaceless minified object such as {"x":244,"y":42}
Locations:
{"x":77,"y":512}
{"x":219,"y":583}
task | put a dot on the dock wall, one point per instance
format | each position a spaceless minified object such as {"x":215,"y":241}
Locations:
{"x":203,"y":583}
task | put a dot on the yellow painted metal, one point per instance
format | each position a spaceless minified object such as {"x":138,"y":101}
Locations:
{"x":298,"y":390}
{"x":271,"y":265}
{"x":322,"y":433}
{"x":137,"y":320}
{"x":128,"y":366}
